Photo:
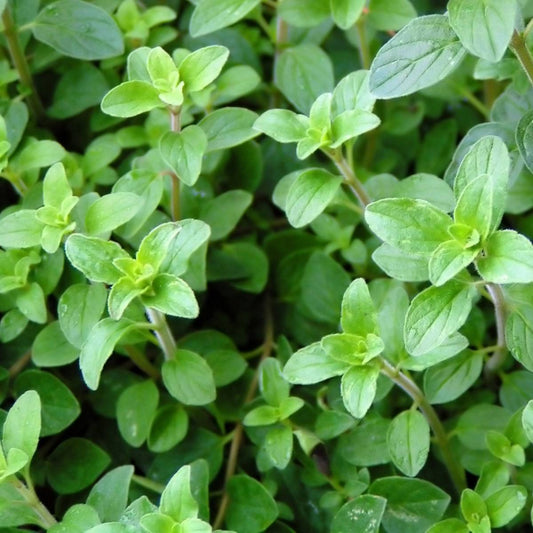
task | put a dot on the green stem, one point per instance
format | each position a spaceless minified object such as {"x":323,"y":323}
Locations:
{"x":175,"y":125}
{"x":19,"y":62}
{"x":162,"y":332}
{"x":238,"y":432}
{"x":499,"y":356}
{"x":46,"y":518}
{"x":349,"y":177}
{"x":364,"y":52}
{"x":521,"y":51}
{"x":147,"y":483}
{"x":140,"y":360}
{"x":474,"y":101}
{"x":403,"y":381}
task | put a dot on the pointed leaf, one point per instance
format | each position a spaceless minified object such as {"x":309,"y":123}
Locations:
{"x":202,"y":67}
{"x":111,"y":211}
{"x":172,"y":296}
{"x":131,"y":98}
{"x":358,"y":389}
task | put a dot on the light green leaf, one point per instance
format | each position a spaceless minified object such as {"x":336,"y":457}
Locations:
{"x":358,"y":389}
{"x":400,"y":265}
{"x":345,"y":13}
{"x":508,"y":258}
{"x":524,"y":138}
{"x":303,"y":13}
{"x":37,"y":154}
{"x":352,"y":92}
{"x":475,"y":205}
{"x":168,"y":428}
{"x":450,"y":525}
{"x":519,"y":336}
{"x":121,"y":295}
{"x":22,"y":425}
{"x":21,"y":229}
{"x":189,"y":379}
{"x":420,"y":55}
{"x":177,"y":500}
{"x":31,"y":302}
{"x":413,"y":226}
{"x":131,"y":98}
{"x":362,"y":514}
{"x":274,"y":388}
{"x":302,"y":74}
{"x":527,"y":420}
{"x":78,"y":29}
{"x":264,"y":415}
{"x":51,"y":348}
{"x":56,"y":187}
{"x":99,"y":346}
{"x":485,"y":27}
{"x":184,"y":151}
{"x":309,"y":195}
{"x":448,"y":259}
{"x":202,"y":67}
{"x":505,"y":504}
{"x":94,"y":257}
{"x":351,"y":124}
{"x":278,"y":446}
{"x":111,"y":211}
{"x":211,"y":15}
{"x":358,"y":315}
{"x":172,"y":296}
{"x":408,"y":442}
{"x":390,"y":15}
{"x":282,"y":125}
{"x":436,"y":313}
{"x":154,"y":247}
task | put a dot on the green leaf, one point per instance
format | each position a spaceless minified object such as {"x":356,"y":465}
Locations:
{"x":412,"y":226}
{"x":31,"y":302}
{"x":524,"y":135}
{"x":474,"y":423}
{"x":278,"y":446}
{"x":37,"y":154}
{"x":494,"y":476}
{"x":485,"y":27}
{"x":168,"y":428}
{"x":251,"y":508}
{"x":172,"y":296}
{"x":136,"y":408}
{"x":400,"y":265}
{"x":408,"y":442}
{"x":131,"y":98}
{"x":56,"y":188}
{"x":358,"y":389}
{"x":228,"y":127}
{"x":122,"y":293}
{"x":436,"y":313}
{"x":79,"y":518}
{"x":12,"y":324}
{"x":211,"y":15}
{"x":78,"y":29}
{"x":475,"y":205}
{"x":99,"y":346}
{"x":429,"y":51}
{"x":20,"y":229}
{"x":22,"y":425}
{"x":352,"y":92}
{"x":109,"y":496}
{"x":79,"y":309}
{"x":502,"y":448}
{"x":303,"y":13}
{"x":450,"y":525}
{"x":227,"y":366}
{"x":189,"y":379}
{"x":309,"y":195}
{"x":519,"y":336}
{"x":358,"y":315}
{"x":282,"y":125}
{"x":351,"y":124}
{"x":111,"y":211}
{"x":472,"y":506}
{"x":311,"y":365}
{"x":51,"y":348}
{"x":448,"y":259}
{"x":527,"y":420}
{"x":223,"y":212}
{"x":177,"y":500}
{"x":390,"y":15}
{"x":183,"y":152}
{"x":274,"y":388}
{"x":59,"y":407}
{"x":363,"y":514}
{"x":202,"y":67}
{"x":94,"y":257}
{"x":508,"y":258}
{"x":302,"y":74}
{"x":505,"y":504}
{"x":345,"y":13}
{"x":154,"y":247}
{"x":75,"y":464}
{"x":446,"y":381}
{"x":412,"y":504}
{"x":264,"y":415}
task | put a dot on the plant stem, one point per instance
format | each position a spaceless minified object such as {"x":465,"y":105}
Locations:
{"x":148,"y":484}
{"x":46,"y":518}
{"x":474,"y":101}
{"x":19,"y":62}
{"x":162,"y":332}
{"x":19,"y":365}
{"x":521,"y":51}
{"x":500,"y":353}
{"x":349,"y":176}
{"x":364,"y":52}
{"x":140,"y":360}
{"x":175,"y":125}
{"x":238,"y":433}
{"x":403,"y":381}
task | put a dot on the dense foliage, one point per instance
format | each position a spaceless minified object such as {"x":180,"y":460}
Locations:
{"x":266,"y":265}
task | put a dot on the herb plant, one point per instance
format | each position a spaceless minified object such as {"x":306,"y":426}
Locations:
{"x":266,"y":265}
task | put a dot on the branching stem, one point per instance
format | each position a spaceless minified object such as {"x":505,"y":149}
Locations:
{"x":403,"y":381}
{"x":46,"y":518}
{"x":349,"y":177}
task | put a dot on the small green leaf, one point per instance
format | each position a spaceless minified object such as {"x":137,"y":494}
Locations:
{"x":505,"y":504}
{"x":168,"y":428}
{"x":51,"y":348}
{"x":527,"y":420}
{"x":472,"y":506}
{"x":264,"y":415}
{"x":358,"y":315}
{"x":111,"y":211}
{"x":358,"y":389}
{"x":448,"y":259}
{"x":99,"y":346}
{"x":21,"y":229}
{"x":202,"y":67}
{"x":390,"y":15}
{"x":475,"y":205}
{"x":274,"y":387}
{"x":524,"y":135}
{"x":22,"y":425}
{"x":507,"y":258}
{"x":428,"y":49}
{"x":251,"y":508}
{"x":131,"y":98}
{"x":363,"y":514}
{"x":184,"y":151}
{"x":278,"y":446}
{"x":78,"y":29}
{"x":408,"y":442}
{"x":351,"y":124}
{"x":450,"y":525}
{"x":502,"y":448}
{"x":136,"y":407}
{"x":519,"y":336}
{"x":282,"y":125}
{"x":177,"y":500}
{"x":436,"y":313}
{"x":211,"y":15}
{"x":485,"y":27}
{"x":309,"y":195}
{"x":494,"y":475}
{"x":30,"y":301}
{"x":400,"y":265}
{"x":189,"y":379}
{"x":172,"y":296}
{"x":345,"y":13}
{"x":122,"y":293}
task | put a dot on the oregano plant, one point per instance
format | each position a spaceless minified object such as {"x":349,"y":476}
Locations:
{"x":266,"y":266}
